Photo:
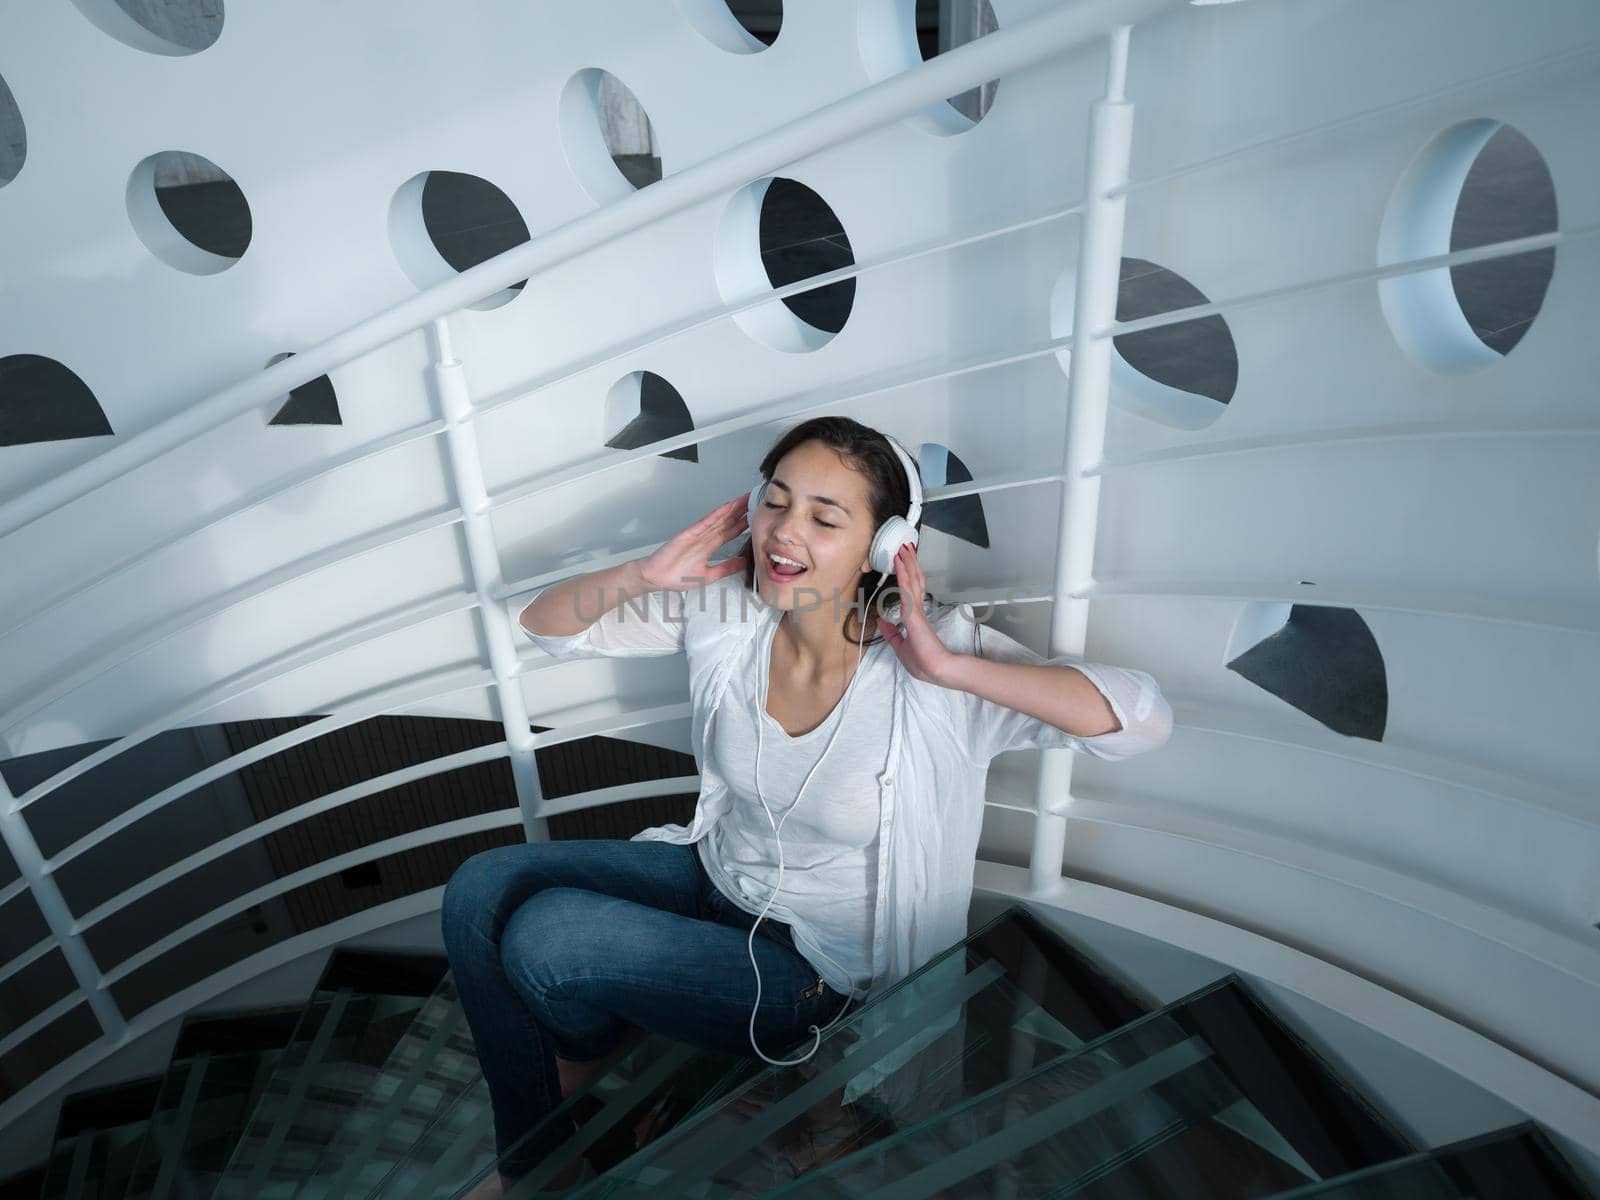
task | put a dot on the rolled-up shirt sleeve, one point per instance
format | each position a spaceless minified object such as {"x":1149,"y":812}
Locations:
{"x":646,"y":626}
{"x":1135,"y":697}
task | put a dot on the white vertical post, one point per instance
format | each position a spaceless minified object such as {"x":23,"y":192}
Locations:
{"x":1088,"y":394}
{"x":466,"y":467}
{"x":52,"y":904}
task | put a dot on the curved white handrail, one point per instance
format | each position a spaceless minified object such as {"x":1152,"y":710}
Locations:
{"x":667,"y":330}
{"x":395,"y":698}
{"x":412,"y":614}
{"x":215,"y":605}
{"x":1411,"y":266}
{"x":1571,"y":616}
{"x":1544,"y":64}
{"x":1271,"y":443}
{"x":318,"y":471}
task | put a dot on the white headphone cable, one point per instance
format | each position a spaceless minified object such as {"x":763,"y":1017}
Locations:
{"x":777,"y":833}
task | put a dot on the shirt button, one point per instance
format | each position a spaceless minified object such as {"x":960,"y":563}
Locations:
{"x":888,"y":781}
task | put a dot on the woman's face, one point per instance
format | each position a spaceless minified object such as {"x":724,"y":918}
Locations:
{"x":815,"y":512}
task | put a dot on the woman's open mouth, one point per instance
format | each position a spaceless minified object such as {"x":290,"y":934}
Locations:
{"x":782,"y":570}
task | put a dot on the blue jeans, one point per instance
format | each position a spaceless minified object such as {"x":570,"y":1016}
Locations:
{"x":556,"y":947}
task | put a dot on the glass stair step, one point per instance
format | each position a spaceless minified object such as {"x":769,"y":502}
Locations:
{"x":98,"y":1135}
{"x":24,"y":1184}
{"x":361,"y":1009}
{"x":1518,"y":1162}
{"x":219,"y":1066}
{"x":458,"y":1149}
{"x":433,"y":1064}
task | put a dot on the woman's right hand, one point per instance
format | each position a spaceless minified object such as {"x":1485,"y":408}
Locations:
{"x":681,"y":562}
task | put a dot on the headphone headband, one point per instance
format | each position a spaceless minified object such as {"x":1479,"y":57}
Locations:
{"x":914,"y":513}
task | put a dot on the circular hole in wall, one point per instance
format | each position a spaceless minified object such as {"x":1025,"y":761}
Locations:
{"x":959,"y":516}
{"x":42,"y":400}
{"x":752,"y":29}
{"x":13,"y":136}
{"x":642,"y":408}
{"x":775,"y":232}
{"x":189,"y":212}
{"x":443,"y":222}
{"x":312,"y":403}
{"x":607,"y":136}
{"x":1183,"y":375}
{"x":1477,"y":183}
{"x":896,"y":35}
{"x":170,"y":27}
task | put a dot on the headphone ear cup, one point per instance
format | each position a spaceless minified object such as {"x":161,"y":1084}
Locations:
{"x":892,"y":534}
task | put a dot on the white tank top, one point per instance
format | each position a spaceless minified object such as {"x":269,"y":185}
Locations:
{"x":830,"y":845}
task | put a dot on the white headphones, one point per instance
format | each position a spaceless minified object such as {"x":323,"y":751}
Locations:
{"x":886,"y":542}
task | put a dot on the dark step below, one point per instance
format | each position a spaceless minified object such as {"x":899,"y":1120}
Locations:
{"x":1515,"y":1163}
{"x":363,"y":1006}
{"x":97,"y":1140}
{"x":425,"y":1075}
{"x":206,"y":1092}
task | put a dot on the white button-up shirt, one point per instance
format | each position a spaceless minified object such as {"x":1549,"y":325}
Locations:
{"x":941,"y":740}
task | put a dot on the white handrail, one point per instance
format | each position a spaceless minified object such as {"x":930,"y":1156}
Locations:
{"x":1341,"y":124}
{"x":996,"y":54}
{"x":390,"y":699}
{"x":1410,"y":266}
{"x":654,"y":336}
{"x":416,"y":613}
{"x":320,"y":469}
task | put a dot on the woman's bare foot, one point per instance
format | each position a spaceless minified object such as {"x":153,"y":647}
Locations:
{"x":576,"y":1075}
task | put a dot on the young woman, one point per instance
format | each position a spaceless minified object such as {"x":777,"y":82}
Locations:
{"x":561,"y":950}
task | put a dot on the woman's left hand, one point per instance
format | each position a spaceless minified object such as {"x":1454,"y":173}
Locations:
{"x":919,"y":647}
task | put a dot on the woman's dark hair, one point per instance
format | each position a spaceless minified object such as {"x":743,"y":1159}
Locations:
{"x":888,"y":491}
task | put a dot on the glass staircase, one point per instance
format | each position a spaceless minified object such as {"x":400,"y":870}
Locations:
{"x":1013,"y":1065}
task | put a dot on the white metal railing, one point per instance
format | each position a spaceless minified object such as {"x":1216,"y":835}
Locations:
{"x":895,"y":98}
{"x":1101,"y":213}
